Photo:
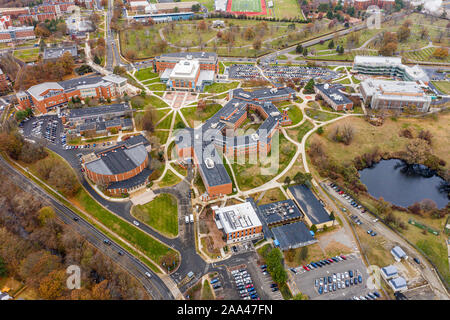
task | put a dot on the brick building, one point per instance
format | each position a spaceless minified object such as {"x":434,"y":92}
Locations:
{"x":49,"y":95}
{"x":332,"y":95}
{"x":122,"y":168}
{"x":238,"y":222}
{"x":17,"y":34}
{"x":218,"y":133}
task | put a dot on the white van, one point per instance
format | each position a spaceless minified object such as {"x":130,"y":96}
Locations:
{"x":191,"y":217}
{"x":186,"y":219}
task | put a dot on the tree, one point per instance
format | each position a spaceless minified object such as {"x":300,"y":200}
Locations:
{"x":299,"y":49}
{"x":332,"y":217}
{"x":45,"y":214}
{"x":300,"y":296}
{"x":309,"y":87}
{"x":331,"y":44}
{"x":440,"y":53}
{"x":302,"y":178}
{"x":53,"y":285}
{"x":100,"y":291}
{"x":403,"y":33}
{"x":287,"y":180}
{"x":303,"y":253}
{"x":257,"y":44}
{"x":417,"y":151}
{"x":42,"y":31}
{"x":275,"y":266}
{"x":313,"y":228}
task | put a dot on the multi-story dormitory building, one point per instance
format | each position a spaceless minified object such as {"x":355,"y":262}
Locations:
{"x":187,"y":71}
{"x":202,"y":144}
{"x":49,"y":95}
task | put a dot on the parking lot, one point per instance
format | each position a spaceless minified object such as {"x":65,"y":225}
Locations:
{"x":340,"y":288}
{"x":47,"y":127}
{"x":243,"y":72}
{"x":299,"y":72}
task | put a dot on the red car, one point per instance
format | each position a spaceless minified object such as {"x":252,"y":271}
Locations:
{"x":343,"y":257}
{"x":306,"y":268}
{"x":341,"y":192}
{"x":249,"y":286}
{"x":330,"y":260}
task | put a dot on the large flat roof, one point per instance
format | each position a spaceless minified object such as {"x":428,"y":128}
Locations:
{"x":280,"y":211}
{"x":98,"y":111}
{"x":293,"y":235}
{"x":309,"y":204}
{"x":54,"y":53}
{"x":238,"y":217}
{"x":332,"y":92}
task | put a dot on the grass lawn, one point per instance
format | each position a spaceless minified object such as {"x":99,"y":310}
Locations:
{"x":161,"y":214}
{"x":162,"y":135}
{"x":272,"y":195}
{"x":221,"y":87}
{"x":138,"y":102}
{"x":287,"y":9}
{"x":320,"y":115}
{"x":165,"y":124}
{"x":443,"y":86}
{"x":251,"y":175}
{"x":300,"y":131}
{"x":192,"y":114}
{"x":157,"y":87}
{"x":207,"y":293}
{"x":27,"y":55}
{"x":144,"y":74}
{"x":169,"y":179}
{"x":295,"y":114}
{"x":246,"y":6}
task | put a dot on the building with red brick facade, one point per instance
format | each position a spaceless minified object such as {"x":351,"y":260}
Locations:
{"x":382,"y":4}
{"x":49,"y":95}
{"x":122,"y":168}
{"x":238,"y":222}
{"x":203,"y":143}
{"x":11,"y":34}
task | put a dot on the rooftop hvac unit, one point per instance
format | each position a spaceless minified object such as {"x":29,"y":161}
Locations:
{"x":209,"y":163}
{"x":273,"y":90}
{"x":255,"y":136}
{"x":326,"y":86}
{"x":189,"y":57}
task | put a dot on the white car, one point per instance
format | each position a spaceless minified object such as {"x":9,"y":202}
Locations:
{"x":136,"y":223}
{"x":148,"y":274}
{"x":375,"y":220}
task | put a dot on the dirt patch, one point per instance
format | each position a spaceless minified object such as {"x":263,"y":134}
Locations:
{"x":213,"y":240}
{"x":335,"y":248}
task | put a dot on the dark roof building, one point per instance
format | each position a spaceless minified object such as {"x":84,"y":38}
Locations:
{"x":332,"y":94}
{"x":293,"y":235}
{"x":315,"y":213}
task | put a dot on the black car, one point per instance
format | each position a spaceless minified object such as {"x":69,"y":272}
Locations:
{"x":120,"y":253}
{"x":216,"y":286}
{"x":274,"y":289}
{"x":416,"y":260}
{"x":273,"y":285}
{"x":106,"y":241}
{"x":75,"y":218}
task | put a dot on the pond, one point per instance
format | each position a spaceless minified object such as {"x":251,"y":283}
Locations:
{"x":403,"y":185}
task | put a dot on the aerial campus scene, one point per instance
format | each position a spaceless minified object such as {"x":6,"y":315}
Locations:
{"x":225,"y":150}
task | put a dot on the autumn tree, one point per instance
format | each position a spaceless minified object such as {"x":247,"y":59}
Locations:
{"x":257,"y":44}
{"x":53,"y":285}
{"x":440,"y":53}
{"x":417,"y":150}
{"x":41,"y":31}
{"x":45,"y":214}
{"x":389,"y":44}
{"x":201,"y":25}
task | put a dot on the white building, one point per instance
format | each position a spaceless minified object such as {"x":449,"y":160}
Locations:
{"x":394,"y":94}
{"x":388,"y":66}
{"x":187,"y":75}
{"x":398,"y":253}
{"x":239,"y":222}
{"x":389,"y":272}
{"x":398,"y":284}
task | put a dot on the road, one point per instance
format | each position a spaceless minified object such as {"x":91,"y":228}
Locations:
{"x":154,"y":286}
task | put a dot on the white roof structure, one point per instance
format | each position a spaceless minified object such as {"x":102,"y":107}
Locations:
{"x":38,"y":90}
{"x":389,"y":271}
{"x":134,"y":4}
{"x":185,"y":69}
{"x":114,"y":78}
{"x":398,"y":284}
{"x":378,"y":60}
{"x":398,"y":252}
{"x":220,"y":5}
{"x":394,"y":90}
{"x":238,"y":217}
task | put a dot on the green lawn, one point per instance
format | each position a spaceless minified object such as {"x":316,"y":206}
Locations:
{"x":246,"y":6}
{"x":165,"y":124}
{"x":157,"y":87}
{"x":294,"y":113}
{"x":161,"y":214}
{"x":192,"y":114}
{"x":221,"y":87}
{"x":144,"y":74}
{"x":169,"y":179}
{"x":287,"y":9}
{"x":443,"y":86}
{"x":162,"y":135}
{"x":27,"y":55}
{"x":299,"y":132}
{"x":320,"y":115}
{"x":138,"y":102}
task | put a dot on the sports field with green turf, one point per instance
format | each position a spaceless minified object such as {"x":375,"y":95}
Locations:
{"x":246,"y":6}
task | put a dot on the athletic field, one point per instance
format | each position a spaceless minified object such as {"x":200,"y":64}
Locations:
{"x":246,"y":5}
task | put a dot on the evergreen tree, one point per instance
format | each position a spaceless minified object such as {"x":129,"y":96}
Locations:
{"x":309,"y":89}
{"x":331,"y":44}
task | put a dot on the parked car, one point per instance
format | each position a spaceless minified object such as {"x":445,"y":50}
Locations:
{"x":376,"y":294}
{"x":320,"y":290}
{"x":136,"y":223}
{"x":350,"y":273}
{"x":359,"y":279}
{"x":355,"y":281}
{"x":274,"y":289}
{"x":416,"y":260}
{"x":148,"y":274}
